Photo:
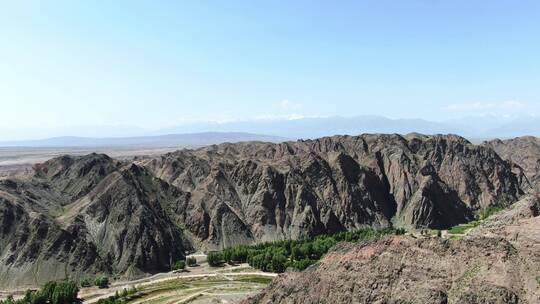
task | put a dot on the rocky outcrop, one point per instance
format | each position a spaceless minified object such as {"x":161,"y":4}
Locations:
{"x":519,"y":224}
{"x":524,"y":155}
{"x":498,"y":263}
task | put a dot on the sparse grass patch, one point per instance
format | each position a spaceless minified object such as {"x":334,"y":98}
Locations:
{"x":461,"y":283}
{"x":480,"y":217}
{"x":463,"y":228}
{"x":487,"y":212}
{"x":255,"y":279}
{"x":430,"y":232}
{"x":168,"y":285}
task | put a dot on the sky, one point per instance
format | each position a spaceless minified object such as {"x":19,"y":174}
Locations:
{"x":158,"y":64}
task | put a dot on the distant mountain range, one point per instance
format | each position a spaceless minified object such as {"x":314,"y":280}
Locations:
{"x":274,"y":130}
{"x":185,"y":140}
{"x":322,"y":126}
{"x":471,"y":127}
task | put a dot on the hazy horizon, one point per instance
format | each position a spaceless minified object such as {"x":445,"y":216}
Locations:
{"x":473,"y":128}
{"x":137,"y":69}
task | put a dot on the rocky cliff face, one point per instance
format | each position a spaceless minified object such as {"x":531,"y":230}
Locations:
{"x":497,"y":263}
{"x":132,"y":218}
{"x":523,"y":153}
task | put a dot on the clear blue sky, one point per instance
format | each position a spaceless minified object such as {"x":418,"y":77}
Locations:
{"x":156,"y":64}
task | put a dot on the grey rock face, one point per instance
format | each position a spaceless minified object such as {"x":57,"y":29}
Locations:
{"x":108,"y":219}
{"x":524,"y":154}
{"x":75,"y":176}
{"x":35,"y":248}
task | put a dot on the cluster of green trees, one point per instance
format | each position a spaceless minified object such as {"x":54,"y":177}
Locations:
{"x":280,"y":255}
{"x":86,"y":283}
{"x":191,"y":261}
{"x":101,"y":282}
{"x":64,"y":292}
{"x":180,"y":265}
{"x":215,"y":258}
{"x":120,"y":297}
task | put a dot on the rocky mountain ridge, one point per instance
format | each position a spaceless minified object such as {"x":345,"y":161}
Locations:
{"x":136,"y":217}
{"x":292,"y":190}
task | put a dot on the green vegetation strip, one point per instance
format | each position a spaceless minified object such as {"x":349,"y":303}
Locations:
{"x":300,"y":254}
{"x":255,"y":279}
{"x":487,"y":212}
{"x":480,"y":217}
{"x":462,"y":228}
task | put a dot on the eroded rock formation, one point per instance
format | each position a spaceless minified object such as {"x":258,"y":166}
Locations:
{"x":92,"y":214}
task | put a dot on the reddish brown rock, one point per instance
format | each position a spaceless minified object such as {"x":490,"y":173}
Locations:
{"x":499,"y":262}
